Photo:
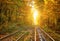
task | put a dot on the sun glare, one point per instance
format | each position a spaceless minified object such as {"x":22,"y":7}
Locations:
{"x":35,"y":15}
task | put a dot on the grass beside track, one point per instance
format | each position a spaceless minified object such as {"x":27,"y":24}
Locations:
{"x":52,"y":33}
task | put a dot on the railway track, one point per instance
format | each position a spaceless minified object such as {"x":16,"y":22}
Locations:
{"x":29,"y":35}
{"x":14,"y":36}
{"x":8,"y":35}
{"x":43,"y":36}
{"x":17,"y":36}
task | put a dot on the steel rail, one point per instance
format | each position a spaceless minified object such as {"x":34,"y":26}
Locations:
{"x":9,"y":35}
{"x":47,"y":34}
